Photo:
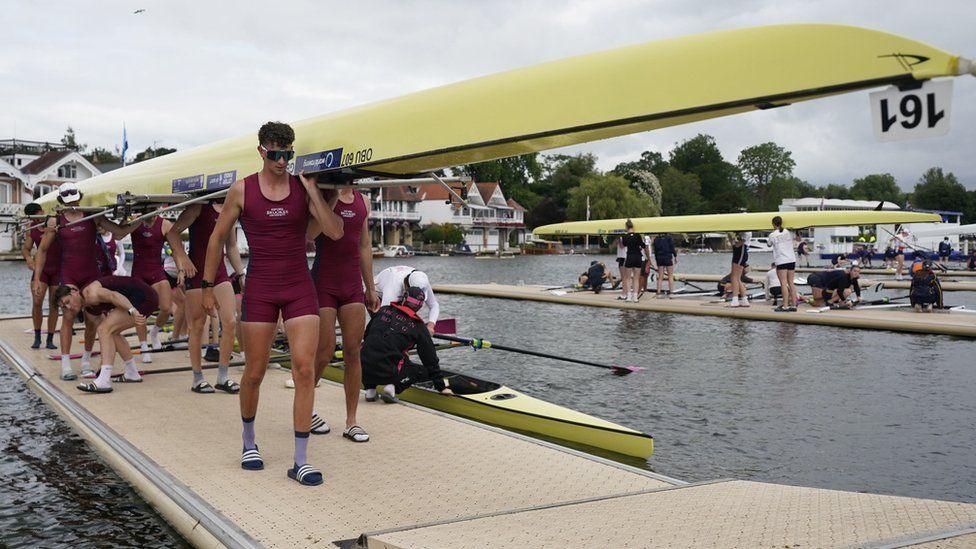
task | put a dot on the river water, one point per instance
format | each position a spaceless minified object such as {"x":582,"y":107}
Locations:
{"x":808,"y":405}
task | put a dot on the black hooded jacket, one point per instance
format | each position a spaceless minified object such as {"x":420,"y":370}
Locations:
{"x":393,"y":332}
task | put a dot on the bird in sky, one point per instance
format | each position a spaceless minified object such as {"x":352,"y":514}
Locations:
{"x":138,"y":11}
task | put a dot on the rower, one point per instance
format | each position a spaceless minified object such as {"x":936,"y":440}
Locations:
{"x":621,"y":256}
{"x":900,"y":241}
{"x":889,"y":256}
{"x":594,"y":277}
{"x":273,"y":207}
{"x":392,"y":281}
{"x":81,"y":255}
{"x":343,"y":265}
{"x":148,"y":237}
{"x":781,"y":240}
{"x":740,"y":260}
{"x":633,"y":263}
{"x":840,"y":260}
{"x":115,"y":265}
{"x":50,"y":278}
{"x":836,"y":285}
{"x":772,"y":286}
{"x":178,"y":310}
{"x":926,"y":290}
{"x":201,"y":220}
{"x":665,"y":257}
{"x":725,"y":284}
{"x":392,"y":332}
{"x":802,"y":254}
{"x":116,"y":303}
{"x":945,"y":250}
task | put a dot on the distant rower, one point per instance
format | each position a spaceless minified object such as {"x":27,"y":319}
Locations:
{"x":50,"y":278}
{"x":836,"y":285}
{"x":393,"y":281}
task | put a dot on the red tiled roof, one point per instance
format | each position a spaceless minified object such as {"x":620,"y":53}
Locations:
{"x":515,"y":205}
{"x":486,"y":190}
{"x":436,"y":191}
{"x":44,"y":162}
{"x":404,"y":194}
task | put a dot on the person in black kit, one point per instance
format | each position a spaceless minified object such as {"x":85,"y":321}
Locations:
{"x":665,"y":256}
{"x":835,"y":285}
{"x":594,"y":277}
{"x":392,"y":332}
{"x":945,"y":250}
{"x":633,"y":263}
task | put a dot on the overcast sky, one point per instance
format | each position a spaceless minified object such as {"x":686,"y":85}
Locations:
{"x":185,"y":73}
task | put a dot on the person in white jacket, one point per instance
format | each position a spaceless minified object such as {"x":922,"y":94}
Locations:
{"x":392,"y":281}
{"x":781,"y":241}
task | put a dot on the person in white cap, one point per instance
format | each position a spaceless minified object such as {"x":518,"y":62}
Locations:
{"x":392,"y":281}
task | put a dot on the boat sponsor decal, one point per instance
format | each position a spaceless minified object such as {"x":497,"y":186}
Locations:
{"x":185,"y":184}
{"x":317,"y":162}
{"x":221,"y":180}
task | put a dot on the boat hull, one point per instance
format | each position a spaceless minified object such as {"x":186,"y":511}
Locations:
{"x":510,"y":409}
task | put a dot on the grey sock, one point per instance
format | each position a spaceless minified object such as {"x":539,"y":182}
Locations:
{"x":197,"y":378}
{"x":222,"y":373}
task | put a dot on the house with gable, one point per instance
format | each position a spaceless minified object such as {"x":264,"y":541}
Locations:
{"x":29,"y":169}
{"x":489,"y":219}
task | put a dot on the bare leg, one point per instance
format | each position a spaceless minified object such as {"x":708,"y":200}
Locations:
{"x":670,"y":271}
{"x":179,"y":313}
{"x":195,"y":317}
{"x":67,"y":322}
{"x":660,"y":275}
{"x":257,"y":347}
{"x":165,"y":303}
{"x":52,"y":314}
{"x":327,"y":340}
{"x":352,"y":320}
{"x":37,"y":306}
{"x":224,"y":293}
{"x":303,"y":337}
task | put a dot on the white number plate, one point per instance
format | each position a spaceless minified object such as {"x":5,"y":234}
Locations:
{"x":911,"y":114}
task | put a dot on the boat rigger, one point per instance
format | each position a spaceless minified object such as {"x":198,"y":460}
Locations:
{"x":963,"y":325}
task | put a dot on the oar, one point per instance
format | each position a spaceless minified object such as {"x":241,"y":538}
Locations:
{"x":271,"y":360}
{"x":478,"y":343}
{"x":179,"y":205}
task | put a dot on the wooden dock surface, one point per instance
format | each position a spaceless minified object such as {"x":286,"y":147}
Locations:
{"x":430,"y":480}
{"x":955,"y":324}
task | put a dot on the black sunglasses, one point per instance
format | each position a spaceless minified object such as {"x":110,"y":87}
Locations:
{"x":275,"y":156}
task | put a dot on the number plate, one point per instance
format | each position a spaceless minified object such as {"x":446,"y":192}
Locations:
{"x":911,"y":114}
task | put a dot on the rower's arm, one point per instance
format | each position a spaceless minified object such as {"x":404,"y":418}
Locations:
{"x":328,"y":220}
{"x":118,"y":231}
{"x":233,"y":253}
{"x":96,"y":293}
{"x":229,"y":214}
{"x":432,"y":306}
{"x":126,"y":230}
{"x":366,"y":258}
{"x":857,"y":288}
{"x":49,"y":235}
{"x":428,"y":357}
{"x":25,"y":250}
{"x":187,"y":217}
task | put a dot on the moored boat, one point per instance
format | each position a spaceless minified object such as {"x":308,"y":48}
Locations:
{"x":496,"y":404}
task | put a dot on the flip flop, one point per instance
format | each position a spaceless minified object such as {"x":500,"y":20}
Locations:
{"x":319,"y":426}
{"x":88,"y":373}
{"x":203,"y":388}
{"x":356,"y":434}
{"x":92,"y":388}
{"x":306,"y":475}
{"x":69,"y":376}
{"x":251,"y":459}
{"x":122,"y":379}
{"x":229,"y":386}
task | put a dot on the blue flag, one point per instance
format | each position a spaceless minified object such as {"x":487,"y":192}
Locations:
{"x":125,"y":143}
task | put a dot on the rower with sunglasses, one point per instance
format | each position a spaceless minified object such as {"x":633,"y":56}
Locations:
{"x":273,"y":207}
{"x":200,"y":219}
{"x":80,"y":253}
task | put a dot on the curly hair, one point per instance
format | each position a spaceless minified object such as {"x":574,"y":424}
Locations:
{"x":276,"y":133}
{"x":60,"y":292}
{"x":33,"y":208}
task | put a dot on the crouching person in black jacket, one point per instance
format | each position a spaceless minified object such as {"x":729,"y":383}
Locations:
{"x":393,"y":332}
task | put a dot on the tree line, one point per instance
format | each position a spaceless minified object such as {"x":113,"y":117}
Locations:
{"x":101,"y":155}
{"x":694,"y":178}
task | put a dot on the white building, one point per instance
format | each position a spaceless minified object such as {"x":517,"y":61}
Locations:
{"x":489,"y":220}
{"x":830,"y":241}
{"x":29,"y":169}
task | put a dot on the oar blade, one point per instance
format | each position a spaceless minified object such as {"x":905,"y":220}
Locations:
{"x":618,"y":370}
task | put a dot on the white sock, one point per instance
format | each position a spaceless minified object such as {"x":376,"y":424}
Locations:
{"x":735,"y":300}
{"x":104,"y":379}
{"x":86,"y":360}
{"x":390,"y":390}
{"x":130,"y":369}
{"x":154,"y":337}
{"x":370,"y":393}
{"x":65,"y":363}
{"x":144,"y":345}
{"x":745,"y":299}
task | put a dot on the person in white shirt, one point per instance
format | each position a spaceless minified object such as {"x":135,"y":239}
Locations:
{"x":900,"y":241}
{"x":773,"y":287}
{"x":390,"y":284}
{"x":781,"y":241}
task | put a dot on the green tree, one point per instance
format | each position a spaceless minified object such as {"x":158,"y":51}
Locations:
{"x":833,"y":190}
{"x":448,"y":233}
{"x":722,"y":187}
{"x":69,"y":140}
{"x":610,"y":196}
{"x":151,"y":152}
{"x":761,"y":164}
{"x":877,"y":186}
{"x":937,"y":190}
{"x":101,"y":155}
{"x":680,"y":193}
{"x":636,"y":172}
{"x":515,"y":175}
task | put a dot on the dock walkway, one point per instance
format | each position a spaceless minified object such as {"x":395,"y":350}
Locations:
{"x":955,"y":324}
{"x":430,"y":480}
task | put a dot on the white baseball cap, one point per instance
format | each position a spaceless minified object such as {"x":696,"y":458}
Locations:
{"x":68,"y":192}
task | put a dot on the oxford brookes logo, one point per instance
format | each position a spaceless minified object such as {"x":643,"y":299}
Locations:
{"x":277,"y":212}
